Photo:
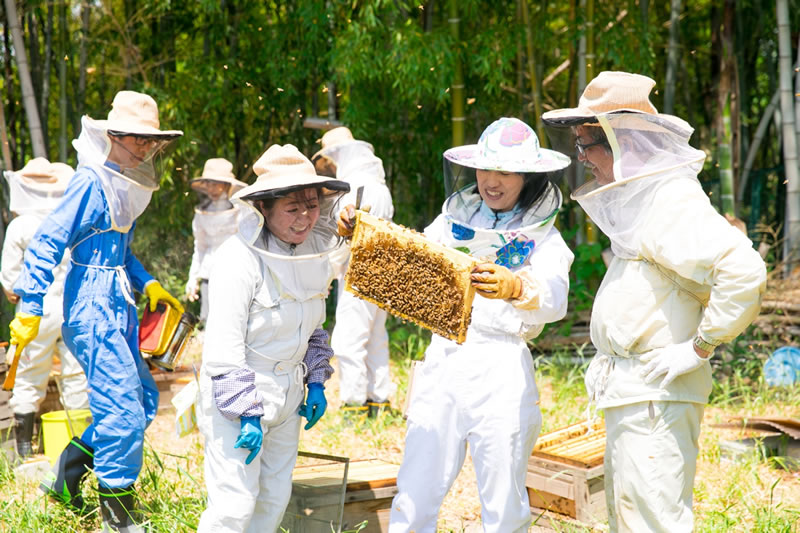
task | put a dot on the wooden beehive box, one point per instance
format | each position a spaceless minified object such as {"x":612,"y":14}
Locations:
{"x":565,"y":472}
{"x":410,"y":276}
{"x":316,"y":492}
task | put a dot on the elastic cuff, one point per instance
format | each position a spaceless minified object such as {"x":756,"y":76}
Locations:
{"x":703,"y":344}
{"x":529,"y":299}
{"x":31,"y":305}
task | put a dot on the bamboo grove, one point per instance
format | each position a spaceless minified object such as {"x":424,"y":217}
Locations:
{"x":413,"y":78}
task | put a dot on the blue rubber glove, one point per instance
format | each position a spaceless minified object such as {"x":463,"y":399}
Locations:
{"x":250,"y":436}
{"x":315,"y":404}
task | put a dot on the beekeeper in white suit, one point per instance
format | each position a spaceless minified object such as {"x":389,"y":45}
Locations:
{"x":482,"y":392}
{"x":35,"y":190}
{"x":264,"y":341}
{"x":215,"y":219}
{"x":359,"y":338}
{"x":682,"y":282}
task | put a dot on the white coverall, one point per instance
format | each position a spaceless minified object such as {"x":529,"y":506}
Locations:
{"x":36,"y":361}
{"x":359,"y":338}
{"x":481,"y":393}
{"x":694,"y":274}
{"x":210,"y":228}
{"x":265,"y":310}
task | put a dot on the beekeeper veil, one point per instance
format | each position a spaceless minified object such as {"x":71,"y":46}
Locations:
{"x":507,"y":145}
{"x":630,"y":150}
{"x":37,"y":188}
{"x":301,"y":271}
{"x":126,"y":152}
{"x":355,"y":161}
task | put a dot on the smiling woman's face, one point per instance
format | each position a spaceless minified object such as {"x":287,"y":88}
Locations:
{"x":292,"y":217}
{"x":597,"y":158}
{"x":500,"y":190}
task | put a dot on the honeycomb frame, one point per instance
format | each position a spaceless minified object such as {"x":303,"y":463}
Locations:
{"x":411,"y":277}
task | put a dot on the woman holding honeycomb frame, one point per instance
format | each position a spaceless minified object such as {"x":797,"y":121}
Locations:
{"x":500,"y":209}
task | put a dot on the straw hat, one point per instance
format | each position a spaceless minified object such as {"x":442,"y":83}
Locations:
{"x":508,"y":145}
{"x":219,"y":169}
{"x":283,"y":169}
{"x":135,"y":113}
{"x":42,"y":175}
{"x":337,"y":137}
{"x":613,"y":92}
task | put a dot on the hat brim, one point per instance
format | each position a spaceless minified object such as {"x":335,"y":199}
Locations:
{"x":470,"y":156}
{"x":224,"y":179}
{"x":577,"y":116}
{"x":134,"y":129}
{"x":321,"y":152}
{"x":284,"y":185}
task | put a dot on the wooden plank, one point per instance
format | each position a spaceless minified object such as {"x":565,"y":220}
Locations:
{"x":545,"y":500}
{"x":361,"y":475}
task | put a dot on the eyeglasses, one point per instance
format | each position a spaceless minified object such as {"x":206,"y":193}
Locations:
{"x":581,"y":148}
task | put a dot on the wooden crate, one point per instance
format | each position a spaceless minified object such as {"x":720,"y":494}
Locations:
{"x":316,"y":496}
{"x":411,"y":277}
{"x":565,"y":473}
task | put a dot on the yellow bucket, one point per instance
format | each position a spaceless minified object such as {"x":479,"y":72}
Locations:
{"x":55,"y":430}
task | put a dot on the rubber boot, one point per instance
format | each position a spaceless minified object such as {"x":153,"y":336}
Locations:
{"x":24,"y":434}
{"x":63,"y":483}
{"x":376,"y":408}
{"x":119,"y":512}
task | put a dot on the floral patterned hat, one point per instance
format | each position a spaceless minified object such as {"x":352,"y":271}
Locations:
{"x":508,"y":145}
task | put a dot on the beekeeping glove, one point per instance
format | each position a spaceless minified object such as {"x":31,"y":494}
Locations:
{"x":250,"y":437}
{"x":671,"y":361}
{"x":24,"y":329}
{"x":315,"y":404}
{"x":192,"y":287}
{"x":495,"y":281}
{"x":156,"y":293}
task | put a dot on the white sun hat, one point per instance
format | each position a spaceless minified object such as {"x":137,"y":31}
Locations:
{"x":38,"y":186}
{"x":508,"y":145}
{"x":221,"y":170}
{"x":135,"y":114}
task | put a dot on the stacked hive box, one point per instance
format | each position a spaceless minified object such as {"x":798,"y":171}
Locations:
{"x":8,"y":443}
{"x":411,"y":277}
{"x":565,"y":472}
{"x":317,"y":497}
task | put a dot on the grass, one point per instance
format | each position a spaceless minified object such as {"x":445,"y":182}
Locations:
{"x":750,"y":494}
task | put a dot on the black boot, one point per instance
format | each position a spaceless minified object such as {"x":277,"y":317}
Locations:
{"x":118,"y":508}
{"x":24,"y":434}
{"x":63,"y":483}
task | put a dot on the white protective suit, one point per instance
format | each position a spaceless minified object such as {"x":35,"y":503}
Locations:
{"x":482,"y":392}
{"x":679,"y":271}
{"x":266,"y":308}
{"x":359,"y":338}
{"x":36,"y":361}
{"x":211,"y":225}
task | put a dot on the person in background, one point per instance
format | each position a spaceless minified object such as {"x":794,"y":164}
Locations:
{"x":359,"y":338}
{"x":95,"y":220}
{"x":682,"y":281}
{"x":35,"y":190}
{"x":501,"y":209}
{"x":215,"y":219}
{"x":264,"y":341}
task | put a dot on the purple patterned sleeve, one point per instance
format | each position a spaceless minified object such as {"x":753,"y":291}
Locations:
{"x":235,"y":394}
{"x":318,"y":356}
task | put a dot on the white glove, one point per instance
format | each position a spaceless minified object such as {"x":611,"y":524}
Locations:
{"x":673,"y":360}
{"x":192,"y":286}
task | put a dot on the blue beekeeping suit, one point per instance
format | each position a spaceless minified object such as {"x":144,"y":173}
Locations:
{"x":100,"y":321}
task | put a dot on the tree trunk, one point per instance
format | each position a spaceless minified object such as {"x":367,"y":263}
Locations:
{"x":82,"y":53}
{"x":48,"y":65}
{"x":7,"y":163}
{"x":536,"y":95}
{"x":726,"y":101}
{"x":28,"y":96}
{"x":63,"y":109}
{"x":792,"y":227}
{"x":457,"y":87}
{"x":755,"y":144}
{"x":672,"y":58}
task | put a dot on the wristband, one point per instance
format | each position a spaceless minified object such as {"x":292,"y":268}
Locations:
{"x":703,"y":345}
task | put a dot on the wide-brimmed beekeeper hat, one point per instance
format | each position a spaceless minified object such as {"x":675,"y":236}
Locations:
{"x":134,"y":113}
{"x":221,"y":170}
{"x":282,"y":170}
{"x":43,"y":176}
{"x":337,"y":137}
{"x":615,"y":92}
{"x":508,"y":145}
